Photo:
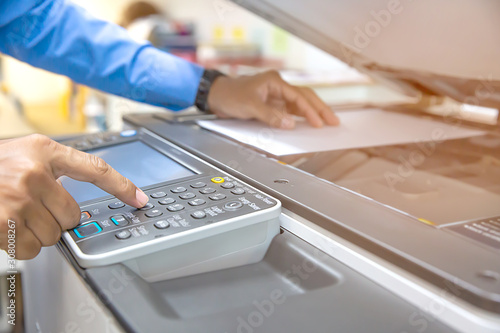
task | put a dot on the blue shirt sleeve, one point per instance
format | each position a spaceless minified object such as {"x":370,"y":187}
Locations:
{"x":63,"y":38}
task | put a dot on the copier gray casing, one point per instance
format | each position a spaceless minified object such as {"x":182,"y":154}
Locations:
{"x":344,"y":261}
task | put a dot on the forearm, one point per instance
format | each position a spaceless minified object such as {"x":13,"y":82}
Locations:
{"x":61,"y":37}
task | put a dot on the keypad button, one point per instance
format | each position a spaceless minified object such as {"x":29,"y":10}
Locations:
{"x":162,"y":224}
{"x":217,"y":180}
{"x":217,"y":197}
{"x":238,"y":191}
{"x":227,"y":186}
{"x":233,"y":205}
{"x":167,"y":201}
{"x":207,"y":190}
{"x":148,"y":206}
{"x":85,"y":216}
{"x":178,"y":189}
{"x":116,"y":205}
{"x":197,"y":202}
{"x":124,"y":234}
{"x":199,"y":214}
{"x":187,"y":196}
{"x":198,"y":185}
{"x":153,"y":213}
{"x":175,"y":208}
{"x":88,"y":229}
{"x":157,"y":195}
{"x":119,"y":220}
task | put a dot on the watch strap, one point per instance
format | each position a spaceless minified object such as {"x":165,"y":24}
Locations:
{"x":207,"y":79}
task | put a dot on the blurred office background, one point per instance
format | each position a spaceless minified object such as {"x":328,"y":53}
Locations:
{"x":214,"y":33}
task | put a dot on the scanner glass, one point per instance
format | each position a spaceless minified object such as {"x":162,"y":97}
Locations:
{"x":437,"y":183}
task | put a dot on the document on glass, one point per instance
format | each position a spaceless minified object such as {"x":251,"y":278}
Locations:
{"x":357,"y":129}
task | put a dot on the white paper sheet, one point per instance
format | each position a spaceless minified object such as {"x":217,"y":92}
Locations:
{"x":358,"y":129}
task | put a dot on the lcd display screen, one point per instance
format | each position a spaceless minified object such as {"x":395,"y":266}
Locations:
{"x":138,"y":162}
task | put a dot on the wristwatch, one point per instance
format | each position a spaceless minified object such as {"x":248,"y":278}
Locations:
{"x":207,"y":79}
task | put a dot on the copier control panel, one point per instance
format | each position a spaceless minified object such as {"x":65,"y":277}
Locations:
{"x":111,"y":225}
{"x":202,"y":221}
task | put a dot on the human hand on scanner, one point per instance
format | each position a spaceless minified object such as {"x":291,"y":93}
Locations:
{"x":37,"y":203}
{"x":268,"y":98}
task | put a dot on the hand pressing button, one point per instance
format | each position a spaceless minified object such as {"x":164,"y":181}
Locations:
{"x":148,"y":206}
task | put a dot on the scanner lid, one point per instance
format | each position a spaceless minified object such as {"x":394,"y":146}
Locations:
{"x":440,"y":47}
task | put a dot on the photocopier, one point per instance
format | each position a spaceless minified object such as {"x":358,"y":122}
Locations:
{"x":236,"y":239}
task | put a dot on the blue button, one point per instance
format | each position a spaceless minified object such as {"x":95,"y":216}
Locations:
{"x":88,"y":229}
{"x":128,"y":133}
{"x":119,"y":220}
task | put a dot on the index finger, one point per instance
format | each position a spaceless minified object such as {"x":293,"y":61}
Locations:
{"x":90,"y":168}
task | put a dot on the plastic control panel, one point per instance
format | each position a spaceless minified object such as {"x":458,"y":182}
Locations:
{"x":195,"y":224}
